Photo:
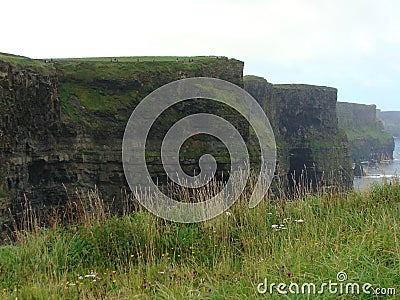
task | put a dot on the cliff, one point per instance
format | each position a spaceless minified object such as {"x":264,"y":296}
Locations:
{"x":62,"y":123}
{"x":367,"y":136}
{"x":306,"y":129}
{"x":30,"y":114}
{"x":391,"y":121}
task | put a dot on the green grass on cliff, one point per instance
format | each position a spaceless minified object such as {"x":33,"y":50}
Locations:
{"x":103,"y":85}
{"x":139,"y":256}
{"x":36,"y":64}
{"x":368,"y":132}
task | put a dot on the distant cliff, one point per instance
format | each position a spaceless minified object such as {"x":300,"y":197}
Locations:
{"x":391,"y":121}
{"x":305,"y":125}
{"x":367,"y":136}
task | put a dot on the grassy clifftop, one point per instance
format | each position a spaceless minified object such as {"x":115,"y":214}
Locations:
{"x":109,"y":84}
{"x":37,"y":65}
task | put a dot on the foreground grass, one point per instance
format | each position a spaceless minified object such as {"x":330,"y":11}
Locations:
{"x":139,"y":256}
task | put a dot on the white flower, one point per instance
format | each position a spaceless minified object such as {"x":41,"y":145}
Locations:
{"x":80,"y":277}
{"x":299,"y":221}
{"x":269,"y":214}
{"x":279,"y":227}
{"x":162,"y":272}
{"x":90,"y":276}
{"x":228,"y":213}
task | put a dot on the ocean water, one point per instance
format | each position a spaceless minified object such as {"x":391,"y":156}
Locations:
{"x":379,"y":173}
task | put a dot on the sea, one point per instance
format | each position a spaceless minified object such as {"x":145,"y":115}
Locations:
{"x":384,"y":171}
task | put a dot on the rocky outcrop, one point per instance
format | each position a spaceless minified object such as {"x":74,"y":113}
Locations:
{"x":367,"y":136}
{"x":391,"y":121}
{"x":306,"y":129}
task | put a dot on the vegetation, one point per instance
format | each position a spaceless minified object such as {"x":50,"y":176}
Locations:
{"x":368,"y":132}
{"x":38,"y":65}
{"x":137,"y":255}
{"x":105,"y":85}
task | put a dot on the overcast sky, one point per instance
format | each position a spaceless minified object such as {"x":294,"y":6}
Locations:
{"x":353,"y":45}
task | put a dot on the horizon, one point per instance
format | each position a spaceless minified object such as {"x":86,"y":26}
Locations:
{"x":354,"y":47}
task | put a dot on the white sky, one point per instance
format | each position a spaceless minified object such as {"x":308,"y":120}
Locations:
{"x":353,"y":45}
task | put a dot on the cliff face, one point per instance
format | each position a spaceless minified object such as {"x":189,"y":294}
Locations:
{"x":30,"y":115}
{"x":391,"y":121}
{"x":367,"y":137}
{"x":62,"y":124}
{"x":305,"y":125}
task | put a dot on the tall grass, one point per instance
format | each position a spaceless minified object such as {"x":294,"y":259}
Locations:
{"x":88,"y":253}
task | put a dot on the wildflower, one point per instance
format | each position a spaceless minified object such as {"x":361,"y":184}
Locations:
{"x":174,"y":228}
{"x":114,"y":280}
{"x":80,"y":277}
{"x":278,"y":227}
{"x":299,"y":221}
{"x":90,"y":276}
{"x":162,"y":272}
{"x":144,"y":285}
{"x":289,"y":273}
{"x":269,"y":214}
{"x":132,"y":255}
{"x":228,"y":213}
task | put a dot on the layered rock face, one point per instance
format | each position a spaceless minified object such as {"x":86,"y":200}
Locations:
{"x":62,"y":125}
{"x":306,"y":129}
{"x":367,"y":137}
{"x":29,"y":124}
{"x":391,"y":121}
